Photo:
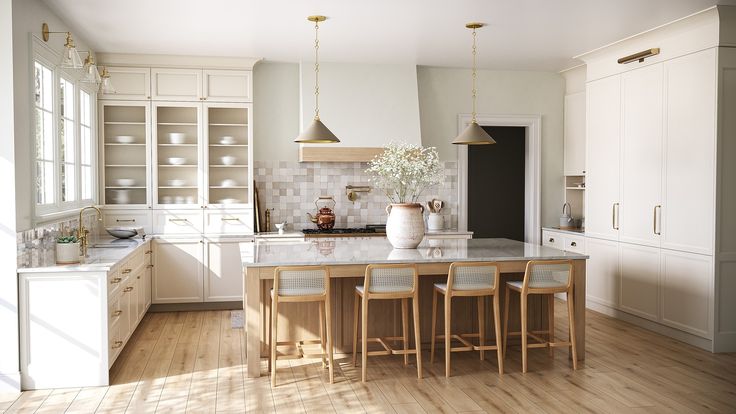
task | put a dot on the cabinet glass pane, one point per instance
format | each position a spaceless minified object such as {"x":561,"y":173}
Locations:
{"x":178,"y":155}
{"x":125,"y":154}
{"x":228,"y":156}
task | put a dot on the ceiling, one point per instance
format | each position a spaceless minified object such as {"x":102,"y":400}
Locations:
{"x":521,"y":34}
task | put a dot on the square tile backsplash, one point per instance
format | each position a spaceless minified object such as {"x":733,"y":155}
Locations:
{"x":37,"y":247}
{"x":290,"y":188}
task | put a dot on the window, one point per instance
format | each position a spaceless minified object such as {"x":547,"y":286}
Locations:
{"x":64,"y":140}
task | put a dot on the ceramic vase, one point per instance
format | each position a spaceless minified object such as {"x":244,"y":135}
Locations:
{"x":435,"y":222}
{"x":67,"y":253}
{"x":405,"y":225}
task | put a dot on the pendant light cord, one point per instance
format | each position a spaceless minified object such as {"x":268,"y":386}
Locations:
{"x":474,"y":75}
{"x":316,"y":70}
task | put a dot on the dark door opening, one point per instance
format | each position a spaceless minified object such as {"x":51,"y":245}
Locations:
{"x":496,"y":183}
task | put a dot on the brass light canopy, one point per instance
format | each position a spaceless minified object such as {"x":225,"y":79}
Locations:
{"x":474,"y":134}
{"x":316,"y":132}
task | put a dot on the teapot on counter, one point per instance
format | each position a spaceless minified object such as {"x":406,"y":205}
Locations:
{"x":325,"y":218}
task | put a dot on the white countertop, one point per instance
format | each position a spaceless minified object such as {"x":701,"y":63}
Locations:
{"x":379,"y":250}
{"x":577,"y":232}
{"x":99,"y":259}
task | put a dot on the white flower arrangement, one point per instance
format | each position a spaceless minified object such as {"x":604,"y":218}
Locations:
{"x":404,"y":171}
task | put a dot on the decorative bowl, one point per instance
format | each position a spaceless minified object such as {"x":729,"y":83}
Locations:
{"x":177,"y":137}
{"x":227,"y":160}
{"x":227,"y":140}
{"x":229,"y":201}
{"x":229,"y":183}
{"x":176,"y":160}
{"x":125,"y":139}
{"x":176,"y":183}
{"x":125,"y":182}
{"x":121,"y":232}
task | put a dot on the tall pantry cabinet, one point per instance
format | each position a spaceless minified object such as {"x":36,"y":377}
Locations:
{"x":177,"y":161}
{"x":660,"y":134}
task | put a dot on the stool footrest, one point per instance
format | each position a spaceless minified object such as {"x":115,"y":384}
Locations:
{"x":467,"y":345}
{"x":388,"y":349}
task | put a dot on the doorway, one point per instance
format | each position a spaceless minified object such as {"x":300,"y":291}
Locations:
{"x":496,"y":185}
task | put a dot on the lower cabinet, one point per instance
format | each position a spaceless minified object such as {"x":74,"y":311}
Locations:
{"x":603,"y":282}
{"x":197,"y":270}
{"x":640,"y":280}
{"x":687,"y":291}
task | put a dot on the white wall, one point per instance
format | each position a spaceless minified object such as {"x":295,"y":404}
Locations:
{"x":574,"y":79}
{"x":444,"y":93}
{"x":275,"y":111}
{"x":364,"y":105}
{"x":9,"y":366}
{"x":28,"y":15}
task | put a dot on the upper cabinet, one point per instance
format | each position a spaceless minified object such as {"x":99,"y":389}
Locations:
{"x":170,"y":84}
{"x":130,"y":83}
{"x":575,"y":134}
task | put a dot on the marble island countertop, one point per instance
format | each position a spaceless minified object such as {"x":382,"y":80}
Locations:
{"x":378,"y":250}
{"x":102,"y":255}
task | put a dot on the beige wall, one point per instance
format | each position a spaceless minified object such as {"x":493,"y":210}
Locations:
{"x":275,"y":111}
{"x":444,"y":93}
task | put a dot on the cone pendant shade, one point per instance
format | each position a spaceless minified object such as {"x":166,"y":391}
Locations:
{"x":316,"y":133}
{"x":473,"y":135}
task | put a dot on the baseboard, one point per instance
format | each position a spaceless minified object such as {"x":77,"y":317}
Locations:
{"x":9,"y":382}
{"x":199,"y":306}
{"x":673,"y":333}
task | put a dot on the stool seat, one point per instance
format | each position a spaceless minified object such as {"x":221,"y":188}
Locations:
{"x":542,"y":284}
{"x":443,"y":287}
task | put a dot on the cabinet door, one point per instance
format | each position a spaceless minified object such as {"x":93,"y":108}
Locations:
{"x":687,"y":292}
{"x":552,"y":239}
{"x":176,"y":84}
{"x":141,"y":292}
{"x":147,"y":279}
{"x":602,"y":153}
{"x":575,"y":134}
{"x":127,"y":305}
{"x":641,"y":155}
{"x":227,"y":85}
{"x":640,"y":280}
{"x":689,"y":153}
{"x":130,"y":83}
{"x":603,"y":275}
{"x":224,"y":281}
{"x":178,"y":271}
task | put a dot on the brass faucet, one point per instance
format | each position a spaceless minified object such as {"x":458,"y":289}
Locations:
{"x":83,"y":233}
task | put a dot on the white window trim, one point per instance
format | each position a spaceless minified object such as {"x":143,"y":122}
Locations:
{"x":59,"y":209}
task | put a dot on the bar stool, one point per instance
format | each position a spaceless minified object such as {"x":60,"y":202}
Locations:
{"x":393,"y":281}
{"x":302,"y":284}
{"x":476,"y":279}
{"x":543,"y":277}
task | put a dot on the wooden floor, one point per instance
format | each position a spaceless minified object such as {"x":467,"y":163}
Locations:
{"x":194,"y":362}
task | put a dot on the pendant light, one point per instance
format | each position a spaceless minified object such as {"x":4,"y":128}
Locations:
{"x":474,"y":134}
{"x":316,"y":132}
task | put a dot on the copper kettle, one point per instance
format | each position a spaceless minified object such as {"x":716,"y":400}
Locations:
{"x":325,"y":218}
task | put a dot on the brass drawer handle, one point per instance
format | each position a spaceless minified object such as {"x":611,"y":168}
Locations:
{"x":230,"y":219}
{"x":149,"y":251}
{"x":117,"y":313}
{"x":176,"y":220}
{"x":128,"y":289}
{"x":125,"y":220}
{"x":126,"y":271}
{"x":138,"y":277}
{"x":116,"y":280}
{"x":117,"y":344}
{"x":150,"y":266}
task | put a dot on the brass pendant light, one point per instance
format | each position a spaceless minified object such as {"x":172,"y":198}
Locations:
{"x":474,"y":134}
{"x":316,"y":132}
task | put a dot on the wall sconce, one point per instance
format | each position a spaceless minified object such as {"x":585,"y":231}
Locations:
{"x":91,"y":74}
{"x":353,"y":190}
{"x":70,"y":57}
{"x":106,"y":85}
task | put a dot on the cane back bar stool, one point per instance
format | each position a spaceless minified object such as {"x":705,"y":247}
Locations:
{"x":302,"y":284}
{"x":474,"y":279}
{"x":393,"y":281}
{"x":543,"y":277}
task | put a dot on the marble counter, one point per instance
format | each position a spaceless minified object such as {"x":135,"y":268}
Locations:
{"x":577,"y":232}
{"x":99,"y":259}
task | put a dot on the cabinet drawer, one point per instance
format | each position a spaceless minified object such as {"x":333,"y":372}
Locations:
{"x":224,"y":222}
{"x":114,"y":282}
{"x":177,"y":222}
{"x":128,"y":218}
{"x":575,"y":244}
{"x":554,"y":240}
{"x":113,"y":314}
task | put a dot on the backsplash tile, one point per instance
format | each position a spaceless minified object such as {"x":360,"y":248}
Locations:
{"x":37,"y":247}
{"x":290,"y":188}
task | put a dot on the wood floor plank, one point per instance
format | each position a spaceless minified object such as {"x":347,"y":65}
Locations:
{"x":175,"y":392}
{"x":29,"y":401}
{"x":7,"y":399}
{"x":203,"y":389}
{"x":409,"y":408}
{"x":230,"y":383}
{"x":312,"y":391}
{"x":59,"y":400}
{"x":87,"y":400}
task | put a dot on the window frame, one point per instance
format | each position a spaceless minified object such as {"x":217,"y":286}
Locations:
{"x":58,"y":208}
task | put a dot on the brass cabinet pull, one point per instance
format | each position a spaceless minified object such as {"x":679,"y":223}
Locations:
{"x":573,"y":244}
{"x":125,"y":220}
{"x":117,"y":313}
{"x":128,"y":289}
{"x":655,"y":220}
{"x":149,"y":266}
{"x":116,"y":280}
{"x":230,"y":219}
{"x":126,"y":271}
{"x":117,"y":344}
{"x":178,"y":220}
{"x":138,"y":277}
{"x":614,"y":216}
{"x":149,"y":251}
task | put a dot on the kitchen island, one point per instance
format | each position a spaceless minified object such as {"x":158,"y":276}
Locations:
{"x":347,"y":259}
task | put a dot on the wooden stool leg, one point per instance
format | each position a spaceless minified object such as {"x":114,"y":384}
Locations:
{"x":497,"y":325}
{"x":322,"y":332}
{"x":506,"y":321}
{"x":524,"y":350}
{"x":571,"y":315}
{"x":356,"y":312}
{"x":274,"y":330}
{"x":364,"y":338}
{"x":481,"y":325}
{"x":448,"y":337}
{"x":405,"y":328}
{"x":270,"y":329}
{"x":434,"y":325}
{"x":551,"y":322}
{"x":328,"y":328}
{"x":417,"y":335}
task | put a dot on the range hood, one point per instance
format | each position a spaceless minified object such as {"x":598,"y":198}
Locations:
{"x":365,"y":105}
